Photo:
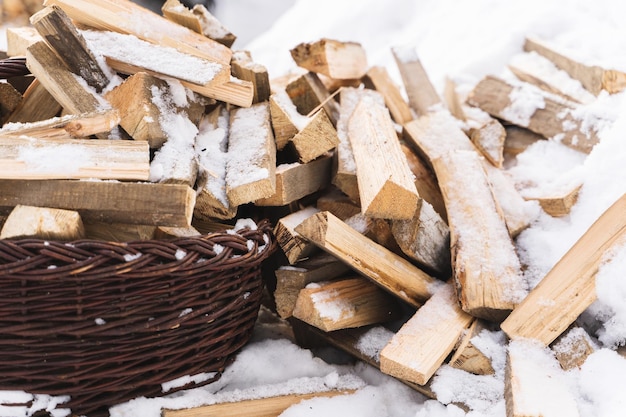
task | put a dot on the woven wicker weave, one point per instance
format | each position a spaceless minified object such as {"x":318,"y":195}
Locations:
{"x":13,"y":67}
{"x":106,"y":322}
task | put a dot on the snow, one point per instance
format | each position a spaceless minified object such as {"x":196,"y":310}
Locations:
{"x":524,"y":103}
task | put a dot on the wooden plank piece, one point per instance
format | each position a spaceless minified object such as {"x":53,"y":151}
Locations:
{"x":37,"y":104}
{"x":71,"y":125}
{"x":422,"y":94}
{"x":244,"y":68}
{"x":42,"y":223}
{"x":382,"y":82}
{"x":335,"y":59}
{"x":316,"y":138}
{"x":295,"y":247}
{"x":468,"y":357}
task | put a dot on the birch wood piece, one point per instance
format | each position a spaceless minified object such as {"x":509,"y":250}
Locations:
{"x":42,"y":223}
{"x":244,"y":68}
{"x":263,"y":407}
{"x":60,"y":83}
{"x":118,"y":202}
{"x":389,"y":270}
{"x":569,"y":288}
{"x":335,"y":59}
{"x":531,"y":376}
{"x":56,"y":28}
{"x":489,"y":140}
{"x":251,"y":168}
{"x":37,"y":104}
{"x":295,"y":181}
{"x":593,"y":78}
{"x":421,"y":345}
{"x":118,"y":232}
{"x":551,"y":119}
{"x":291,"y":279}
{"x":422,"y":94}
{"x":65,"y":127}
{"x":468,"y":357}
{"x":573,"y":348}
{"x":31,"y":158}
{"x":558,"y":204}
{"x":316,"y":138}
{"x":386,"y":187}
{"x":20,"y":38}
{"x":295,"y":247}
{"x":382,"y":82}
{"x":308,"y":93}
{"x":337,"y":203}
{"x":122,"y":16}
{"x":425,"y":238}
{"x":345,"y":303}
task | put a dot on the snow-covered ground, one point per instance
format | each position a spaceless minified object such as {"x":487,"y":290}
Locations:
{"x":463,"y":40}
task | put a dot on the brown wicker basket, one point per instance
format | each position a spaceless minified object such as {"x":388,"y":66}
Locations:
{"x":107,"y":322}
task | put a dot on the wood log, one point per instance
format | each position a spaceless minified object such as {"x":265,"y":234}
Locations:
{"x":37,"y":104}
{"x":244,"y":68}
{"x":56,"y":28}
{"x":489,"y":140}
{"x":421,"y":345}
{"x":20,"y":38}
{"x":573,"y":348}
{"x":291,"y":279}
{"x":380,"y":81}
{"x":453,"y":102}
{"x":389,"y":270}
{"x":549,"y":117}
{"x":531,"y":376}
{"x":468,"y":357}
{"x":286,"y":120}
{"x":234,"y":91}
{"x":569,"y":288}
{"x":295,"y":247}
{"x":198,"y":19}
{"x":335,"y":59}
{"x":118,"y":232}
{"x":122,"y":17}
{"x":518,"y":139}
{"x":422,"y":94}
{"x":251,"y":167}
{"x":337,"y":203}
{"x":559,"y":203}
{"x":177,"y":12}
{"x":295,"y":181}
{"x":42,"y":223}
{"x":69,"y":126}
{"x":10,"y":98}
{"x":119,"y":202}
{"x":345,"y":303}
{"x":316,"y":138}
{"x":386,"y":187}
{"x":308,"y":93}
{"x":593,"y":78}
{"x":165,"y":232}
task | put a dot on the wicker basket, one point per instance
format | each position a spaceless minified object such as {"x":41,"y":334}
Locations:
{"x":107,"y":322}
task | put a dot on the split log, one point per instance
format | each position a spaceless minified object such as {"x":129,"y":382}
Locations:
{"x":37,"y":104}
{"x":573,"y":348}
{"x":316,"y":138}
{"x":31,"y":158}
{"x":559,"y":203}
{"x":20,"y":38}
{"x":120,"y":202}
{"x":295,"y":181}
{"x":42,"y":223}
{"x":118,"y":232}
{"x":10,"y":98}
{"x":422,"y":94}
{"x":389,"y":270}
{"x":421,"y":345}
{"x":468,"y":357}
{"x":337,"y":203}
{"x":569,"y":288}
{"x":308,"y":93}
{"x":345,"y":303}
{"x":234,"y":91}
{"x":244,"y":68}
{"x":69,"y":126}
{"x":198,"y":19}
{"x":489,"y":140}
{"x":286,"y":120}
{"x":295,"y":247}
{"x":335,"y":59}
{"x":453,"y":102}
{"x":518,"y":139}
{"x":291,"y":279}
{"x":380,"y":81}
{"x":386,"y":187}
{"x":165,"y":232}
{"x":251,"y":166}
{"x":549,"y":117}
{"x":593,"y":78}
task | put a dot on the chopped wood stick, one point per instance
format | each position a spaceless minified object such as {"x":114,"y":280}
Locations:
{"x":573,"y":348}
{"x":316,"y":138}
{"x":422,"y":94}
{"x":382,"y":82}
{"x":345,"y":303}
{"x":10,"y":98}
{"x":286,"y":120}
{"x":118,"y":232}
{"x":251,"y":166}
{"x":123,"y":202}
{"x":345,"y":177}
{"x":379,"y":230}
{"x":489,"y":140}
{"x":421,"y":345}
{"x":386,"y":187}
{"x":339,"y":204}
{"x":593,"y":78}
{"x":198,"y":19}
{"x":123,"y":16}
{"x":550,"y":116}
{"x":425,"y":238}
{"x":532,"y":375}
{"x":165,"y":232}
{"x":308,"y":93}
{"x":69,"y":126}
{"x":37,"y":104}
{"x":20,"y":38}
{"x":177,"y":12}
{"x":333,"y":85}
{"x":453,"y":102}
{"x":389,"y":270}
{"x":518,"y":139}
{"x":486,"y":269}
{"x":335,"y":59}
{"x":295,"y":247}
{"x":22,"y":157}
{"x":42,"y":223}
{"x":235,"y":91}
{"x":56,"y":28}
{"x":468,"y":357}
{"x":244,"y":68}
{"x":59,"y":81}
{"x":291,"y":279}
{"x":560,"y":203}
{"x":295,"y":181}
{"x":569,"y":288}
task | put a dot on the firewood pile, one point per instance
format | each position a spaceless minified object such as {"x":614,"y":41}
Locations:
{"x":132,"y":125}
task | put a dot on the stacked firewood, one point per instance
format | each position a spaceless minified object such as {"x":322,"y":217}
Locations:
{"x":395,"y":218}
